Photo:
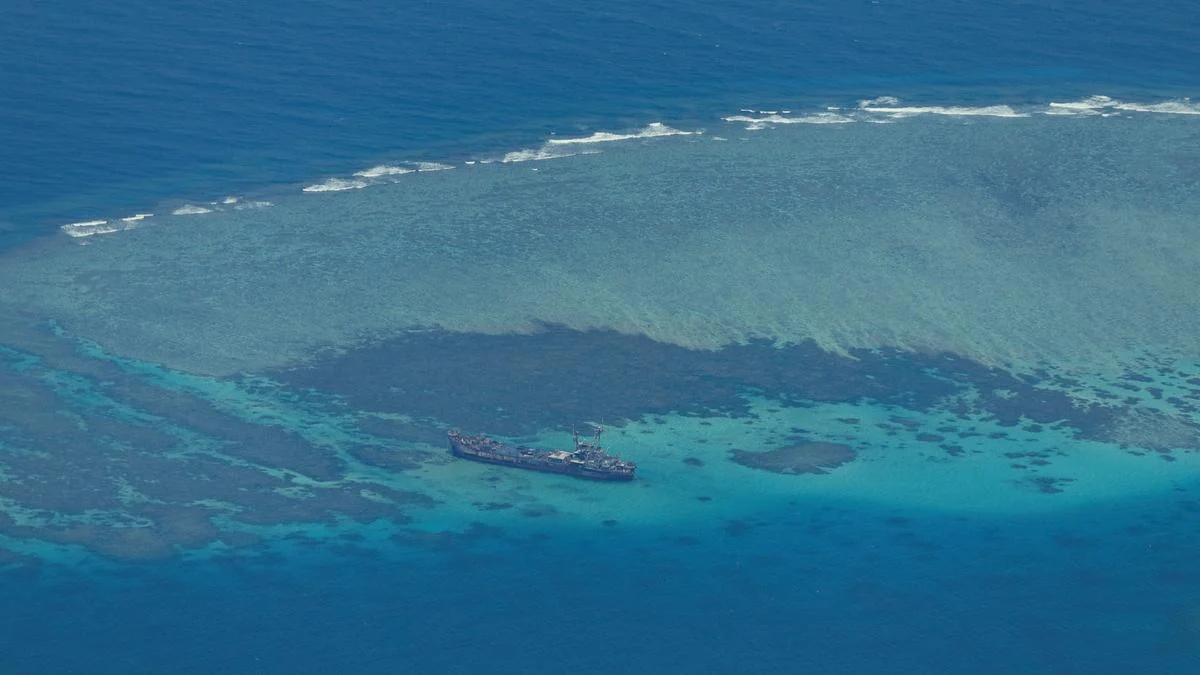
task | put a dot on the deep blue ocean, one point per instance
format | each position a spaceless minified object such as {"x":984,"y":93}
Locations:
{"x":108,"y":109}
{"x":118,"y":105}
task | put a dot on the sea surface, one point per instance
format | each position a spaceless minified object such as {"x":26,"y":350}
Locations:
{"x":894,"y":305}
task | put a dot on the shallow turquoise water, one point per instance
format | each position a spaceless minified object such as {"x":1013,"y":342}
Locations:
{"x":708,"y":228}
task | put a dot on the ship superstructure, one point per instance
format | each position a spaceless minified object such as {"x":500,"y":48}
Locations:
{"x":588,"y":460}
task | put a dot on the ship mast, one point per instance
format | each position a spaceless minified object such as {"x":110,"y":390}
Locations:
{"x":594,"y":445}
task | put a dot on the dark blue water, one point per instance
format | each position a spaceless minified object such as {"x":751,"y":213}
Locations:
{"x":116,"y":106}
{"x":816,"y":589}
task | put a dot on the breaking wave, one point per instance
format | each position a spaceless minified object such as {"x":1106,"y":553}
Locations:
{"x":890,"y":108}
{"x":380,"y":173}
{"x":336,"y":185}
{"x":542,"y":153}
{"x":881,"y":109}
{"x":652,"y":130}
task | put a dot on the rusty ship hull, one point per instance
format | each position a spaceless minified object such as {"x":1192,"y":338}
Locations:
{"x":588,"y":460}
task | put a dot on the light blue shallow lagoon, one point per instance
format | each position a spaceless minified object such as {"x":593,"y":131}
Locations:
{"x":893,"y":305}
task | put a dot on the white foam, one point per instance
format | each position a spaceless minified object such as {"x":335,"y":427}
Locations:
{"x":1180,"y":107}
{"x":757,"y":123}
{"x":752,"y":123}
{"x":886,"y":109}
{"x":1090,"y":104}
{"x":336,"y":185}
{"x":882,"y":109}
{"x":432,"y":166}
{"x":374,"y":176}
{"x":878,"y":110}
{"x":735,"y":272}
{"x":384,"y":170}
{"x":1105,"y":105}
{"x":554,"y":147}
{"x":891,"y":109}
{"x":1102,"y":106}
{"x":258,"y":204}
{"x":652,"y":130}
{"x":88,"y":228}
{"x":542,"y":153}
{"x":1054,"y":110}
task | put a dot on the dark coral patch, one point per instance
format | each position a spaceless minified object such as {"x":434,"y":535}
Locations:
{"x":163,"y":449}
{"x":538,"y":510}
{"x":493,"y":506}
{"x":799,"y":458}
{"x":11,"y":560}
{"x":393,"y":459}
{"x":172,"y":527}
{"x":1048,"y":484}
{"x":519,"y":384}
{"x":738,"y":527}
{"x":448,"y":540}
{"x":136,"y":466}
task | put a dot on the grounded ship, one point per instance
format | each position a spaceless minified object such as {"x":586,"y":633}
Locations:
{"x":588,"y":460}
